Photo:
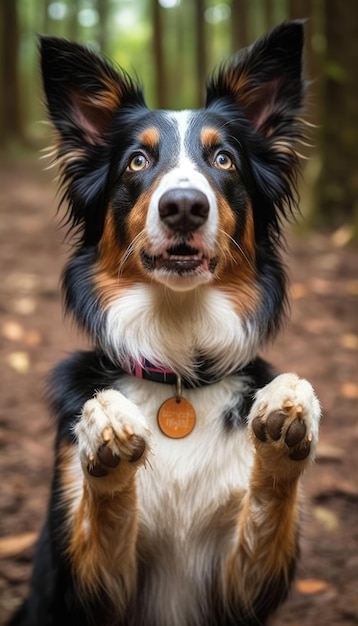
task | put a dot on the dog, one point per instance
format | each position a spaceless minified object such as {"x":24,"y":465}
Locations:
{"x":179,"y":450}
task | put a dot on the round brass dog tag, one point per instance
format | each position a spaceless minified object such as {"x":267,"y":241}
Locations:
{"x":176,"y":418}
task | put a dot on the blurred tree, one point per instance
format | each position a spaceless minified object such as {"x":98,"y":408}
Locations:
{"x":268,"y":9}
{"x":312,"y":14}
{"x":158,"y":53}
{"x":201,"y":55}
{"x":239,"y":24}
{"x":337,"y":201}
{"x":306,"y":10}
{"x":103,"y":13}
{"x":45,"y":27}
{"x":299,"y":9}
{"x":10,"y":116}
{"x":73,"y":24}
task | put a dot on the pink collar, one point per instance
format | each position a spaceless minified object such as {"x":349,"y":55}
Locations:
{"x":148,"y":371}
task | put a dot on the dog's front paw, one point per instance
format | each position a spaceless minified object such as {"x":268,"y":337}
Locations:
{"x":113,"y":438}
{"x":284,"y":420}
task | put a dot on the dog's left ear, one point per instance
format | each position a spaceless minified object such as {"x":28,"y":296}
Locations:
{"x":265,"y":79}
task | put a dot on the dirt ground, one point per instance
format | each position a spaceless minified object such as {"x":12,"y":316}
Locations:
{"x":320,"y":342}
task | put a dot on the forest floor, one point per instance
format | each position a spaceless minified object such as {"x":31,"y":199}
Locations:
{"x":320,"y":342}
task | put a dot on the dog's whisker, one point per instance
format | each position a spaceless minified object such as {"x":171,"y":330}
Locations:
{"x":237,"y":245}
{"x":128,"y":252}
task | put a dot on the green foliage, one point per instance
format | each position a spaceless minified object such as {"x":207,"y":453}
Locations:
{"x":336,"y":72}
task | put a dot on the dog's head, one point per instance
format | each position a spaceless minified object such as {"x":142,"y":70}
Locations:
{"x":181,"y":200}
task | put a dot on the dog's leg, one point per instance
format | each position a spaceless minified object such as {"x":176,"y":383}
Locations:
{"x":283,"y":426}
{"x":113,"y":443}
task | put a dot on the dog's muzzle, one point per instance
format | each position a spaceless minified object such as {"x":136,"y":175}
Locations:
{"x":181,"y":231}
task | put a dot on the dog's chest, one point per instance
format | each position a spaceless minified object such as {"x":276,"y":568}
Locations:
{"x":189,"y":495}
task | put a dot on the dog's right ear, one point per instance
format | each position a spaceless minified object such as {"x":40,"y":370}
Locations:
{"x":83,"y":91}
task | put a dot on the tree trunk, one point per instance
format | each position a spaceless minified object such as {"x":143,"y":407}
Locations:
{"x":158,"y":51}
{"x":73,"y":25}
{"x":46,"y":21}
{"x":10,"y":124}
{"x":268,"y":14}
{"x":338,"y":183}
{"x":200,"y":53}
{"x":313,"y":66}
{"x":299,"y":9}
{"x":103,"y":11}
{"x":239,"y":24}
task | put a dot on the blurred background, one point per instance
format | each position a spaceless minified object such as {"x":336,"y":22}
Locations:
{"x":172,"y":46}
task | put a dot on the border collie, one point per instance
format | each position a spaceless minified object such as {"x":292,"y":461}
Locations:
{"x":178,"y":450}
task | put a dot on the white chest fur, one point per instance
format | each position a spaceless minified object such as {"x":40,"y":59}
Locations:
{"x":189,"y":496}
{"x":173,"y":329}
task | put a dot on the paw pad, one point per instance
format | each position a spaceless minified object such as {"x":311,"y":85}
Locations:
{"x":295,"y":433}
{"x":275,"y":423}
{"x":138,"y":447}
{"x":286,"y":425}
{"x":106,"y":459}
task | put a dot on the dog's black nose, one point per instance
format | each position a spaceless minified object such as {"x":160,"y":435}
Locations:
{"x":183,"y":210}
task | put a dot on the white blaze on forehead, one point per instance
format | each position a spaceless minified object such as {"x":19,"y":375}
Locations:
{"x":182,"y":121}
{"x":184,"y":174}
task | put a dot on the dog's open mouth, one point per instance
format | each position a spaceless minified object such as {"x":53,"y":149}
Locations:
{"x":179,"y":259}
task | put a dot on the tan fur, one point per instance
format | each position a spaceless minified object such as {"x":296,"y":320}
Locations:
{"x":236,"y":272}
{"x":210,"y":137}
{"x":150,"y":137}
{"x":118,"y":268}
{"x":267,"y":525}
{"x":110,"y":97}
{"x":240,"y":85}
{"x":103,"y":529}
{"x":267,"y":536}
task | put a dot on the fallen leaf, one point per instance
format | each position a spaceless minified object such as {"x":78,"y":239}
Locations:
{"x":329,"y":452}
{"x":342,"y":236}
{"x":298,"y":291}
{"x":24,"y":306}
{"x":12,"y":331}
{"x":16,"y":544}
{"x":351,"y":286}
{"x":310,"y":586}
{"x":349,"y":390}
{"x":321,"y":286}
{"x":21,"y":282}
{"x":326,"y":518}
{"x":319,"y":325}
{"x":328,"y":261}
{"x":19,"y":361}
{"x":349,"y":341}
{"x":33,"y":337}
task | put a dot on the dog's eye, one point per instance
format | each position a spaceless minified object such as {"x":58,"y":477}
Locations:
{"x":223,"y":161}
{"x":138,"y":163}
